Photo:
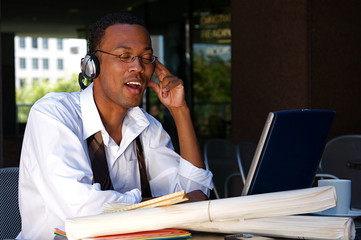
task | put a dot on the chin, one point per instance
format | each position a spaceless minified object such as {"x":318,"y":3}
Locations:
{"x":133,"y":104}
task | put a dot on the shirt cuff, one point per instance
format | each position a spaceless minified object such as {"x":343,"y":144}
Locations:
{"x":132,"y":196}
{"x":199,"y":175}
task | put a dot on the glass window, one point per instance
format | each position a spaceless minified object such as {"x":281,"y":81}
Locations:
{"x":74,"y":50}
{"x":35,"y":62}
{"x":60,"y":64}
{"x":22,"y":42}
{"x":45,"y":43}
{"x":45,"y":63}
{"x":22,"y":63}
{"x":34,"y":42}
{"x":212,"y":69}
{"x":60,"y":43}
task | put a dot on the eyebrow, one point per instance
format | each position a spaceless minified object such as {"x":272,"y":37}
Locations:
{"x":129,"y":48}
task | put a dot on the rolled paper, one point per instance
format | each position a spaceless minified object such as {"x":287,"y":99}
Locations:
{"x":290,"y":227}
{"x":245,"y":207}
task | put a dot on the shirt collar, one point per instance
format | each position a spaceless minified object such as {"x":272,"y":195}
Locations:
{"x":92,"y":122}
{"x":134,"y":123}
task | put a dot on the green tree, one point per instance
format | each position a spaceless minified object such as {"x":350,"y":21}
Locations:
{"x":30,"y":93}
{"x":212,"y":78}
{"x":212,"y":95}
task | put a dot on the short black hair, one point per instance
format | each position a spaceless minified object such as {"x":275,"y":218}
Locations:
{"x":98,"y":29}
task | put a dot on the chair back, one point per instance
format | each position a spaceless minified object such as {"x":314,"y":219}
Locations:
{"x":342,"y":157}
{"x":245,"y":153}
{"x":10,"y":220}
{"x":220,"y":158}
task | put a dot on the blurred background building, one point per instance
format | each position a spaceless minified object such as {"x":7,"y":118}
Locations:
{"x":48,"y":59}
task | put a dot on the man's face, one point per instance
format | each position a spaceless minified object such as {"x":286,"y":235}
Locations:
{"x":122,"y":83}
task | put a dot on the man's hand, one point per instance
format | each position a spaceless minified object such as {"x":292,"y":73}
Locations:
{"x":196,"y":196}
{"x":170,"y":90}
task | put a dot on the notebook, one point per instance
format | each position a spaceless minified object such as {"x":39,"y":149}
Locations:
{"x":289,"y":151}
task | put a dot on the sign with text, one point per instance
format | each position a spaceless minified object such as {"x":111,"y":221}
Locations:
{"x":213,"y":28}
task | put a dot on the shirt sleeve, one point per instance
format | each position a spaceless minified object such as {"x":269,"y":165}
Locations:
{"x":55,"y":168}
{"x":194,"y":178}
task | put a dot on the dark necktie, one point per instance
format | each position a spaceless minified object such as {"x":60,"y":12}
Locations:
{"x":100,"y":167}
{"x":142,"y":170}
{"x":99,"y":161}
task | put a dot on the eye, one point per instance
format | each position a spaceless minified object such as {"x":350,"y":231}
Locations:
{"x":125,"y":57}
{"x":147,"y":58}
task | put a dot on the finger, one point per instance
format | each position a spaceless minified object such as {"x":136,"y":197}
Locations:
{"x":161,"y":71}
{"x":172,"y":84}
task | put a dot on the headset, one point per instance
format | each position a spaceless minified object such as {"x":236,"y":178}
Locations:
{"x":90,"y":68}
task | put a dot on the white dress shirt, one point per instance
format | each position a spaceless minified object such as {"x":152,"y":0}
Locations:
{"x":56,"y":179}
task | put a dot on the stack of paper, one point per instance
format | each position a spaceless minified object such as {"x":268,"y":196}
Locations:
{"x":145,"y":235}
{"x":298,"y":227}
{"x":60,"y":231}
{"x":161,"y":234}
{"x":231,"y":215}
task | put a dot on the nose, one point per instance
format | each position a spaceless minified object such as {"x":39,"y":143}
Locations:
{"x":136,"y":65}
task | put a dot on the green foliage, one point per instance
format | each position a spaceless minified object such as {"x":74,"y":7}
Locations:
{"x":212,"y":95}
{"x":212,"y":79}
{"x":30,"y":93}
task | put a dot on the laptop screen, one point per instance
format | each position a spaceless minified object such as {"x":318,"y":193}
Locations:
{"x":289,"y":151}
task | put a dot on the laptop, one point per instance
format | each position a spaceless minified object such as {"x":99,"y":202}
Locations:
{"x":289,"y":151}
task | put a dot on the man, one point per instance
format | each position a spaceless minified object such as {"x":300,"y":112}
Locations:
{"x":57,"y":180}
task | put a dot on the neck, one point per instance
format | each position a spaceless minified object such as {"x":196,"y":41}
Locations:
{"x":113,"y":122}
{"x":112,"y":117}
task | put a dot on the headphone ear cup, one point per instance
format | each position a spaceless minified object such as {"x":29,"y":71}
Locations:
{"x":90,"y":66}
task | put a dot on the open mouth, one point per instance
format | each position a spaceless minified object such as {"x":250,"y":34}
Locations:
{"x":134,"y":85}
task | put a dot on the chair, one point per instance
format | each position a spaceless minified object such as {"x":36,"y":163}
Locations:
{"x":10,"y":220}
{"x":245,"y":152}
{"x":220,"y":158}
{"x":341,"y":158}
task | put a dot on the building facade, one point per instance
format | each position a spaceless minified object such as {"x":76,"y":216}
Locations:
{"x":47,"y":59}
